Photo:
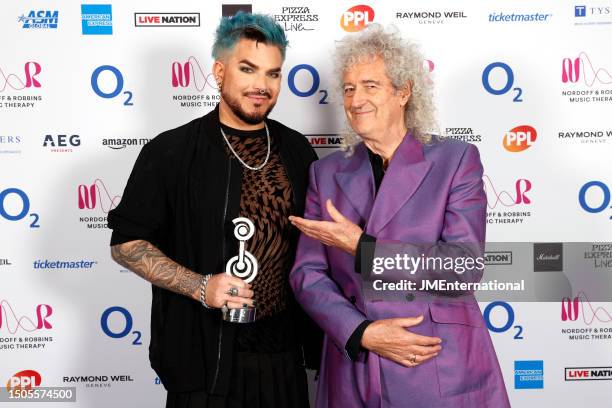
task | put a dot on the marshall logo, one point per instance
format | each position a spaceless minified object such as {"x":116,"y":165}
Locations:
{"x":547,"y":257}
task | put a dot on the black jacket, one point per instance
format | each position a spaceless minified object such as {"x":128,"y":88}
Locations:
{"x":181,"y":196}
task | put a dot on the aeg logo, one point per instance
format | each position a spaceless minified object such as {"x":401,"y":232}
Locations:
{"x":356,"y":18}
{"x":520,"y":138}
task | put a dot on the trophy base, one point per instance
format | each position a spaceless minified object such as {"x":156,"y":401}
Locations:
{"x":240,"y":315}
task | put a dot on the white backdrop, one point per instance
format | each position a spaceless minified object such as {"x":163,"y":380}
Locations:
{"x":67,"y":146}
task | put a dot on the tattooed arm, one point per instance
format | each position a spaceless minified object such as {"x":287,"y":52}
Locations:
{"x":148,"y":262}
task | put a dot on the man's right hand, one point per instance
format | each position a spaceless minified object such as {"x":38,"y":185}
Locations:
{"x":389,"y":339}
{"x":217,"y":292}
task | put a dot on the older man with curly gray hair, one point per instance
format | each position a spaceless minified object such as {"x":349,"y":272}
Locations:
{"x":398,"y":192}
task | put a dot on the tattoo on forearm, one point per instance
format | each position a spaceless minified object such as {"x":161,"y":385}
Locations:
{"x":145,"y":260}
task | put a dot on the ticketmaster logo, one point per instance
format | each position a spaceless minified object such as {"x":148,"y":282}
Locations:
{"x":47,"y":264}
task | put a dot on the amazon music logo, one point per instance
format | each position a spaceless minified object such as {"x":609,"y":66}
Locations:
{"x":589,"y":82}
{"x":96,"y":196}
{"x":356,"y":18}
{"x":190,"y":74}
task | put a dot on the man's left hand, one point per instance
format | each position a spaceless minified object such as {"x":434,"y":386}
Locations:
{"x":340,"y":233}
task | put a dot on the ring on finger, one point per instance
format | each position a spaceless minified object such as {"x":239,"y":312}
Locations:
{"x":413,"y":359}
{"x":233,"y":291}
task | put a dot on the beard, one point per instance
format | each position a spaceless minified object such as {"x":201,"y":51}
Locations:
{"x":250,"y":118}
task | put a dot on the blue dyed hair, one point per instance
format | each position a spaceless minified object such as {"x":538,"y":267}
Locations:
{"x":257,"y":27}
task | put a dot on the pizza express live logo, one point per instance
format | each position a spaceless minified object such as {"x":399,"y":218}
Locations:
{"x":465,"y":134}
{"x":296,"y":18}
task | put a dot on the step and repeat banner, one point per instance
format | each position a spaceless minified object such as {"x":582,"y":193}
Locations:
{"x":84,"y":85}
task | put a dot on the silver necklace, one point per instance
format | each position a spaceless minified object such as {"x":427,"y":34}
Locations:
{"x":261,"y":166}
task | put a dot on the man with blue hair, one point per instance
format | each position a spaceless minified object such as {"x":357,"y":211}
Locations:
{"x":174,"y":228}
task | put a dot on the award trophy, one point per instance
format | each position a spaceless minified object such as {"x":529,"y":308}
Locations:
{"x":243,"y":266}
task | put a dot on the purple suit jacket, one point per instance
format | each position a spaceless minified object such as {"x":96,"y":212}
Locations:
{"x":430,"y":194}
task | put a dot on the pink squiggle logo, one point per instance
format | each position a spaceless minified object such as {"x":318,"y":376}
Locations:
{"x":8,"y":315}
{"x":182,"y":75}
{"x":15,"y":82}
{"x":90,"y":196}
{"x":572,"y":70}
{"x":503,"y":197}
{"x":570,"y":310}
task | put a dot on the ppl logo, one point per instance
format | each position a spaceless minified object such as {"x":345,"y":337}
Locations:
{"x":582,"y":67}
{"x":356,"y":18}
{"x":182,"y":75}
{"x":520,"y":138}
{"x":97,"y":19}
{"x":39,"y":19}
{"x":571,"y":308}
{"x":14,"y":323}
{"x":594,"y":197}
{"x":31,"y":69}
{"x":529,"y":374}
{"x":24,"y":380}
{"x":495,"y":197}
{"x":90,"y":196}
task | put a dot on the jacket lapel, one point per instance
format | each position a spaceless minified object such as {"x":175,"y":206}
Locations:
{"x":405,"y":173}
{"x":351,"y":180}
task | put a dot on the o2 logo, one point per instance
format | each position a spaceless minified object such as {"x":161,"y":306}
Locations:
{"x":601,"y":204}
{"x":23,"y":205}
{"x":314,"y":87}
{"x":486,"y":81}
{"x":128,"y":323}
{"x":118,"y":84}
{"x":509,"y":323}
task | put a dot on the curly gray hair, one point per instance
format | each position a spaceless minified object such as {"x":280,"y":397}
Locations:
{"x":404,"y":64}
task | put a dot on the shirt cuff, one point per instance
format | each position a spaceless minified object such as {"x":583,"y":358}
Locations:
{"x":364,"y":255}
{"x":353,"y":345}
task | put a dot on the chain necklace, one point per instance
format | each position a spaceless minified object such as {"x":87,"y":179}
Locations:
{"x":261,"y":166}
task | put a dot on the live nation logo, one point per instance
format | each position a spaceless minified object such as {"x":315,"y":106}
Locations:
{"x":20,"y":88}
{"x":194,"y":85}
{"x":508,"y":207}
{"x":325,"y":140}
{"x":167,"y":19}
{"x":588,"y":373}
{"x":585,"y":80}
